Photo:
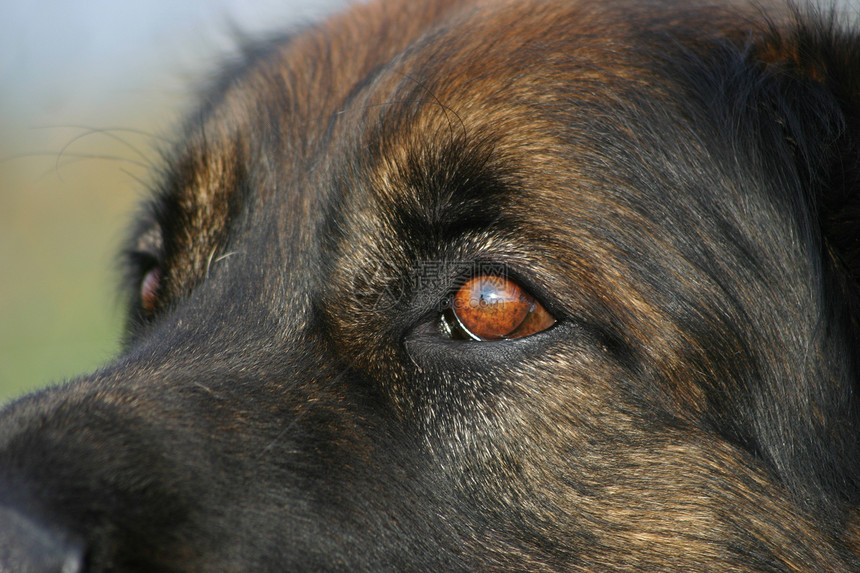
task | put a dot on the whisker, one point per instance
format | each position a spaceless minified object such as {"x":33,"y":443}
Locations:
{"x":107,"y":133}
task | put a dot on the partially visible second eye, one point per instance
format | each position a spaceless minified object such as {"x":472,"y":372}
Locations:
{"x":146,"y":269}
{"x":492,"y":307}
{"x":150,"y":285}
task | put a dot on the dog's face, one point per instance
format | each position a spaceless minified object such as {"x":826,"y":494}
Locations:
{"x":480,"y":286}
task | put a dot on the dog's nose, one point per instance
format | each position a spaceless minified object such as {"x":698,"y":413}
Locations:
{"x":27,"y":546}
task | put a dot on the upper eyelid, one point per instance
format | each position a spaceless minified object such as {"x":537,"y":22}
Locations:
{"x":456,"y":274}
{"x":150,"y":242}
{"x":525,"y":280}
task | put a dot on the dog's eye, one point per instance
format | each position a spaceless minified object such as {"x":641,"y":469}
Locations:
{"x":491,"y":307}
{"x":149,"y":287}
{"x":145,"y":269}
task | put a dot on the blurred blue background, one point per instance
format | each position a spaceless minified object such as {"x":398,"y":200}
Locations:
{"x":87,"y":90}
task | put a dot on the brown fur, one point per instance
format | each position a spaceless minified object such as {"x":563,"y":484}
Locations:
{"x":693,"y":409}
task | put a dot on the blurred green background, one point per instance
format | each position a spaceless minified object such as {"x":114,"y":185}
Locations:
{"x":61,"y":218}
{"x":88,"y":92}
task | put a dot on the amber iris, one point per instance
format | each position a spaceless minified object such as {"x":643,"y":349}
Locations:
{"x":149,"y":287}
{"x":491,"y":307}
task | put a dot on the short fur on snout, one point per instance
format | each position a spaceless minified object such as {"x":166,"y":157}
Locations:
{"x":669,"y":189}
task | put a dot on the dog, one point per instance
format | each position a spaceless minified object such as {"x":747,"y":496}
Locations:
{"x":509,"y":285}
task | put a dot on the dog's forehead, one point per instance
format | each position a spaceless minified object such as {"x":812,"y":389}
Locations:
{"x":407,"y":107}
{"x":263,"y":134}
{"x":400,"y":75}
{"x":381,"y":75}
